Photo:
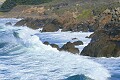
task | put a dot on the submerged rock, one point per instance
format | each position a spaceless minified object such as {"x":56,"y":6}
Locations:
{"x":8,"y":24}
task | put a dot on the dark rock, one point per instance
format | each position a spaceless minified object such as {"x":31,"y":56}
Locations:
{"x":55,"y":46}
{"x":48,"y":25}
{"x":74,"y":38}
{"x":8,"y":24}
{"x":105,"y":42}
{"x":46,"y":43}
{"x":33,"y":23}
{"x":83,"y":27}
{"x":70,"y":48}
{"x":97,"y":35}
{"x":50,"y":28}
{"x":22,"y":22}
{"x":99,"y":49}
{"x":76,"y":28}
{"x":78,"y":43}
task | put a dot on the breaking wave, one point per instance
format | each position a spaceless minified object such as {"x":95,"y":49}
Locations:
{"x":24,"y":57}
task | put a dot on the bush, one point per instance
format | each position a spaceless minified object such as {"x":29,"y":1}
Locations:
{"x":9,"y":4}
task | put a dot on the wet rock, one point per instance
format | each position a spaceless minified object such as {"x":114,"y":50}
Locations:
{"x":22,"y":22}
{"x":48,"y":25}
{"x":55,"y":46}
{"x":105,"y":42}
{"x":46,"y":43}
{"x":33,"y":23}
{"x":78,"y":43}
{"x":100,"y":49}
{"x":70,"y":47}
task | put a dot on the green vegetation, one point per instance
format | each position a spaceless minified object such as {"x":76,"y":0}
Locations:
{"x":9,"y":4}
{"x":85,"y":14}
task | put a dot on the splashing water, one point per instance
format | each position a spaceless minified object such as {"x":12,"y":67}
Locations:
{"x":24,"y":57}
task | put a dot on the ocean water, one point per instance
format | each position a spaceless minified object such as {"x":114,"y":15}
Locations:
{"x":23,"y":56}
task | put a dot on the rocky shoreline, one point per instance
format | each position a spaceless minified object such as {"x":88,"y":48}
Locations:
{"x":105,"y":23}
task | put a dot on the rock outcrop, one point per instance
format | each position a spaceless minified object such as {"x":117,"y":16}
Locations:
{"x":104,"y":43}
{"x":106,"y":39}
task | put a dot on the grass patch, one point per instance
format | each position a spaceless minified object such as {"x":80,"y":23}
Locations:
{"x":85,"y":14}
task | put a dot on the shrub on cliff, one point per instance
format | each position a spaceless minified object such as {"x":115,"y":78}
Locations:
{"x":9,"y":4}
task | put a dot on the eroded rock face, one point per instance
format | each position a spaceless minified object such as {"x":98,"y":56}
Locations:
{"x":105,"y":42}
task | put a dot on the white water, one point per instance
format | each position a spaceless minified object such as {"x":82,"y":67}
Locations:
{"x":27,"y":58}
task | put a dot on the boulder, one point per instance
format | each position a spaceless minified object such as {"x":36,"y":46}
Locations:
{"x":70,"y":47}
{"x":78,"y":43}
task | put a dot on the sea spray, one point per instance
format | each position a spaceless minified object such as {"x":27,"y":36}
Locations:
{"x":37,"y":61}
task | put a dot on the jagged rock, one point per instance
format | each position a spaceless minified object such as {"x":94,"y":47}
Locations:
{"x":70,"y":47}
{"x":78,"y":43}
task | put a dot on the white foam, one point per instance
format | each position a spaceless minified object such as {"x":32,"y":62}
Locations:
{"x":40,"y":62}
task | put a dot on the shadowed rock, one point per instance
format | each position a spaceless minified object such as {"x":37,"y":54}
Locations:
{"x":70,"y":47}
{"x":78,"y":43}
